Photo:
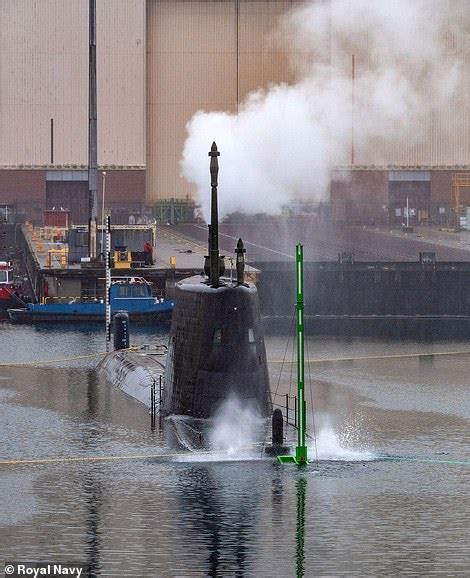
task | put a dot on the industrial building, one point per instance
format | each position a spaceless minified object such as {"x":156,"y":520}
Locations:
{"x":160,"y":61}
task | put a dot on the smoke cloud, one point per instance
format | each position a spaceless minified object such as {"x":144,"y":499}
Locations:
{"x":286,"y":139}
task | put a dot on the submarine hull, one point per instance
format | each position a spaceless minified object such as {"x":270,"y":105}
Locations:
{"x":216,"y":350}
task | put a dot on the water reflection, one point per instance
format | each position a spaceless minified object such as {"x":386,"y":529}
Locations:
{"x":93,"y":405}
{"x":93,"y":494}
{"x":426,"y":361}
{"x":92,"y":487}
{"x":301,"y":486}
{"x":277,"y":492}
{"x":221,"y":503}
{"x":168,"y":518}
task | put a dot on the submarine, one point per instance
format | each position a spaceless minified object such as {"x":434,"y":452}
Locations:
{"x":215,"y":354}
{"x":216,"y":347}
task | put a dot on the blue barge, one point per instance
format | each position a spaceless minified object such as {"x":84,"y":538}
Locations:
{"x":130,"y":294}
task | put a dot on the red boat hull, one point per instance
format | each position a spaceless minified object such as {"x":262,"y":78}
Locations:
{"x":7,"y":298}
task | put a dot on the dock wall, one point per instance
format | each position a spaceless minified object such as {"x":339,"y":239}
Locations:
{"x":366,"y":298}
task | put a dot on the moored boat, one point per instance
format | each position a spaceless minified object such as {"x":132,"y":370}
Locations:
{"x":9,"y":292}
{"x":130,"y":294}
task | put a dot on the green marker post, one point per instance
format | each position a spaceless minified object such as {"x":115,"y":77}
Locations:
{"x":300,"y":457}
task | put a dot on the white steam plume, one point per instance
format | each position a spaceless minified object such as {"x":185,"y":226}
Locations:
{"x":236,"y":427}
{"x":285,"y":140}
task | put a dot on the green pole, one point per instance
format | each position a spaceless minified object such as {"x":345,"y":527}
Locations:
{"x":301,"y":449}
{"x":300,"y":457}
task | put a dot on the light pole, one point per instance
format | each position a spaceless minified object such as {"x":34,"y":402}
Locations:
{"x":102,"y":214}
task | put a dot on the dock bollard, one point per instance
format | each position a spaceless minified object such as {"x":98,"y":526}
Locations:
{"x":277,"y":428}
{"x":121,"y":330}
{"x":277,"y":448}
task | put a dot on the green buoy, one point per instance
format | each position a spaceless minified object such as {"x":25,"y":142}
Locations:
{"x":300,"y":457}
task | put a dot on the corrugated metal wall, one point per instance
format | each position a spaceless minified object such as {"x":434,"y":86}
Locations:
{"x":439,"y":137}
{"x":44,"y":75}
{"x":191,"y":65}
{"x":261,"y":59}
{"x":202,"y":55}
{"x":159,"y":61}
{"x":210,"y":54}
{"x":121,"y":81}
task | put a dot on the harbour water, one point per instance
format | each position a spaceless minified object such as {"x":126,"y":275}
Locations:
{"x":389,"y":494}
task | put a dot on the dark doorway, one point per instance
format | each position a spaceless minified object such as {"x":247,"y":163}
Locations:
{"x":414,"y":194}
{"x":71,"y":195}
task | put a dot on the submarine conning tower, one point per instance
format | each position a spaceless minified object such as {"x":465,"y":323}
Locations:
{"x":216,"y":347}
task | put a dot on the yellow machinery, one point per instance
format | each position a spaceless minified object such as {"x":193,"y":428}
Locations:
{"x":122,"y":259}
{"x":57,"y":256}
{"x":53,"y":234}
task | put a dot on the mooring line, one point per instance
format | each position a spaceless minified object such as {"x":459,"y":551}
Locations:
{"x":72,"y":459}
{"x":312,"y":361}
{"x":424,"y":460}
{"x":62,"y":359}
{"x":76,"y":459}
{"x":67,"y":459}
{"x":46,"y":361}
{"x":372,"y":357}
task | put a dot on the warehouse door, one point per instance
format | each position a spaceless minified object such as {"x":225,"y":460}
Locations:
{"x":410,"y":189}
{"x":68,"y":189}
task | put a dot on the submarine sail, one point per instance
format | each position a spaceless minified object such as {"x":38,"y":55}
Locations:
{"x":216,"y":346}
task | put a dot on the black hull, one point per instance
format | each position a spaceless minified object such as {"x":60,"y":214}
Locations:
{"x":216,"y":350}
{"x":6,"y":304}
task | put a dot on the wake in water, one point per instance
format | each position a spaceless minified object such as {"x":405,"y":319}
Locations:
{"x":328,"y":447}
{"x":236,"y":432}
{"x":236,"y":428}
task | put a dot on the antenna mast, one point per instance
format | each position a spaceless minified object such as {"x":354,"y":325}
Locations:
{"x":214,"y":230}
{"x":214,"y":265}
{"x":92,"y":133}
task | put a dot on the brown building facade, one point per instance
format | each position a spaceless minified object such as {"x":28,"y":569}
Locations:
{"x":384,"y":197}
{"x":161,"y":61}
{"x":29,"y":192}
